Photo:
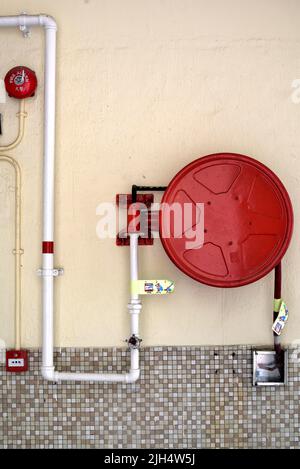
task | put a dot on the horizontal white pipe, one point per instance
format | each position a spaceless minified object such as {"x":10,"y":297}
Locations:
{"x":48,"y":23}
{"x":130,"y":377}
{"x":28,"y":21}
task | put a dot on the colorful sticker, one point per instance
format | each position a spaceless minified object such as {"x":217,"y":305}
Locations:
{"x":281,"y":319}
{"x":152,"y":287}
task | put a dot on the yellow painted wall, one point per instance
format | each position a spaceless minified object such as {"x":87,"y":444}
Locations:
{"x":145,"y":87}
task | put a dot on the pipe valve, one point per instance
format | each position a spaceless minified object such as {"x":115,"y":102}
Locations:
{"x":134,"y":342}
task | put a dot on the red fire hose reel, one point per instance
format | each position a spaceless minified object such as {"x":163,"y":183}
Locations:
{"x":248,"y":220}
{"x":243,"y":210}
{"x":20,"y":82}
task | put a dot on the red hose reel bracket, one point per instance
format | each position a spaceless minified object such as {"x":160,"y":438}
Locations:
{"x":142,"y":208}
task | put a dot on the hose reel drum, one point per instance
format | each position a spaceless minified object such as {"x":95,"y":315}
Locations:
{"x":247,"y":220}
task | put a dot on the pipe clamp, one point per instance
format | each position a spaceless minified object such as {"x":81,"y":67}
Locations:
{"x":134,"y":307}
{"x":50,"y":272}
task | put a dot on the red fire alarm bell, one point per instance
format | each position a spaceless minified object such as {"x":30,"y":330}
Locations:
{"x":20,"y":82}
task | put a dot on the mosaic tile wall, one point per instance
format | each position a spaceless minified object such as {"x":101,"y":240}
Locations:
{"x":188,"y":397}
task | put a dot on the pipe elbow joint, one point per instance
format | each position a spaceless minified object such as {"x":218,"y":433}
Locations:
{"x":133,"y":376}
{"x":48,"y":373}
{"x":48,"y":22}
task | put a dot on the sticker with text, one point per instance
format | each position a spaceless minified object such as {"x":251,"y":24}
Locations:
{"x":281,"y":319}
{"x":152,"y":287}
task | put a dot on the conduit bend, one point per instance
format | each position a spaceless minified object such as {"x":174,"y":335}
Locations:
{"x":18,"y":251}
{"x":24,"y":23}
{"x":21,"y":116}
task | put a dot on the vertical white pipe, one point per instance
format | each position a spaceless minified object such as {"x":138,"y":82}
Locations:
{"x":133,"y":262}
{"x":48,"y":193}
{"x":21,"y":116}
{"x":134,"y":305}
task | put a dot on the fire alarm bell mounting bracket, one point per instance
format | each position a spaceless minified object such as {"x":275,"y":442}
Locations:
{"x":26,"y":32}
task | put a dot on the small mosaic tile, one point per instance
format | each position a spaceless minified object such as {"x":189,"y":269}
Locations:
{"x":187,"y":397}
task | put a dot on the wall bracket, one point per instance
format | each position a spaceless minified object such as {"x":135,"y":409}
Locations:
{"x":50,"y":272}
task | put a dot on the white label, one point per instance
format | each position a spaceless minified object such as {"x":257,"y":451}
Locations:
{"x":15,"y":362}
{"x":2,"y":92}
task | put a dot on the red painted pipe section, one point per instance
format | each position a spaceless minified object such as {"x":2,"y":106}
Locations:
{"x":48,"y":247}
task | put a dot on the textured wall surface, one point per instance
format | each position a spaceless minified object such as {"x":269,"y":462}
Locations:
{"x":187,"y":397}
{"x":145,"y":87}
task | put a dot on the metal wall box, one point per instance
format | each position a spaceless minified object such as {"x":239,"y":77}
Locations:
{"x":265,"y":371}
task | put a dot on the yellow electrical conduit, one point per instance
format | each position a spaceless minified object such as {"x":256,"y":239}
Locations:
{"x":18,"y":251}
{"x":22,"y":116}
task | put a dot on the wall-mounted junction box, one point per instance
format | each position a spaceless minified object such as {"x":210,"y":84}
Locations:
{"x":16,"y":361}
{"x":266,"y":370}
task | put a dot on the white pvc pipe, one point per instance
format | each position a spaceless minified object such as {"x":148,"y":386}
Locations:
{"x":48,"y":23}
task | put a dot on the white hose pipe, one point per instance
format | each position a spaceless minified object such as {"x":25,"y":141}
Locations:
{"x":18,"y":251}
{"x":21,"y":116}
